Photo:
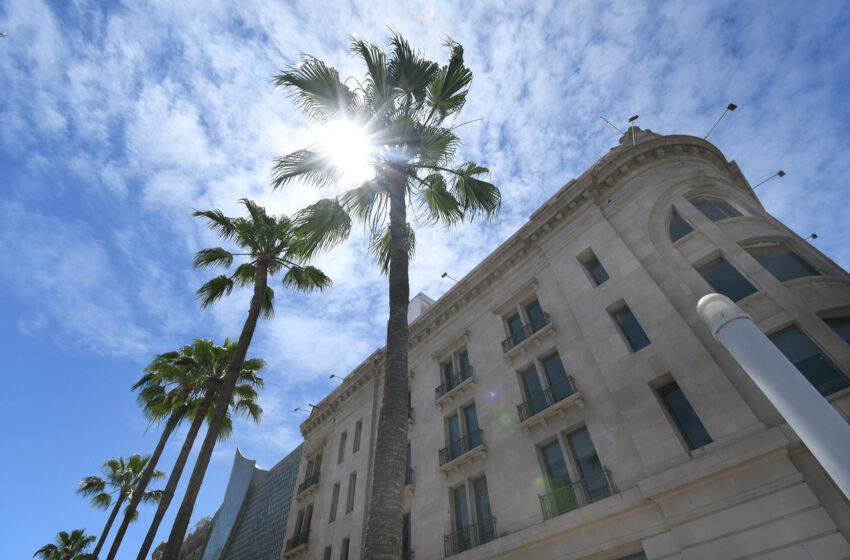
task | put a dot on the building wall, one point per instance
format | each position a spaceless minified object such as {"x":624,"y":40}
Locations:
{"x":753,"y":492}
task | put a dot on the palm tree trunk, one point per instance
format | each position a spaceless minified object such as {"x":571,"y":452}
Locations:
{"x":143,"y":484}
{"x":384,"y":517}
{"x":184,"y":514}
{"x":109,"y":521}
{"x":176,"y":473}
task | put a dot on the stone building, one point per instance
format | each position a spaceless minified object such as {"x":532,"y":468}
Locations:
{"x":567,"y":402}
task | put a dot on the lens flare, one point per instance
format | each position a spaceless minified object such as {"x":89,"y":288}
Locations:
{"x":347,"y":146}
{"x":423,"y":10}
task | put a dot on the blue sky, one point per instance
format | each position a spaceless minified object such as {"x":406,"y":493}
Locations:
{"x":116,"y":119}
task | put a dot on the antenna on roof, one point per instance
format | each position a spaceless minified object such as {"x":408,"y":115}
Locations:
{"x":730,"y":107}
{"x":612,"y":126}
{"x":779,"y":173}
{"x":632,"y":126}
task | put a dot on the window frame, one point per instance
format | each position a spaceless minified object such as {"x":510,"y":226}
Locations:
{"x":585,"y":258}
{"x":842,"y":375}
{"x":715,"y":200}
{"x":520,"y":309}
{"x":334,"y":502}
{"x":538,"y":365}
{"x":788,"y":252}
{"x":666,"y":385}
{"x":343,"y":439}
{"x":674,"y":213}
{"x":562,"y":439}
{"x":351,"y":492}
{"x":358,"y":433}
{"x":613,"y":312}
{"x":720,"y":256}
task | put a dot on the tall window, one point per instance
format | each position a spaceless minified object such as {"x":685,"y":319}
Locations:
{"x":327,"y":555}
{"x":781,"y":262}
{"x":485,"y":529}
{"x":537,"y":399}
{"x":679,"y":228}
{"x":631,"y":329}
{"x":726,"y":280}
{"x":343,"y":549}
{"x":594,"y":268}
{"x":682,"y":413}
{"x":342,"y":438}
{"x":462,"y":434}
{"x":355,"y":446}
{"x":408,"y":476}
{"x":352,"y":483}
{"x":460,"y":508}
{"x":527,"y":320}
{"x":405,"y":537}
{"x":308,"y":518}
{"x":334,"y":503}
{"x":841,"y":325}
{"x":812,"y":363}
{"x":311,"y":474}
{"x":715,"y":209}
{"x":588,"y":464}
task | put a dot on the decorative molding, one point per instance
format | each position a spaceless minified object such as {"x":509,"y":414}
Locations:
{"x":466,"y":459}
{"x":456,"y":391}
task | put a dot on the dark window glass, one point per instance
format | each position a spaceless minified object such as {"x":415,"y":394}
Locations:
{"x":817,"y":368}
{"x":482,"y":510}
{"x":334,"y":503}
{"x":630,"y":328}
{"x":461,"y":511}
{"x":463,"y":364}
{"x":471,"y":419}
{"x":535,"y":316}
{"x":327,"y":555}
{"x":556,"y":467}
{"x":299,"y":522}
{"x":726,"y":280}
{"x":308,"y":518}
{"x":679,"y":228}
{"x":589,"y":466}
{"x":407,"y":461}
{"x":596,"y":271}
{"x":453,"y":425}
{"x":342,"y":439}
{"x":409,"y":405}
{"x":533,"y":390}
{"x":840,"y":325}
{"x":638,"y":556}
{"x":683,"y":414}
{"x":343,"y":553}
{"x":449,"y":375}
{"x":782,"y":263}
{"x":515,"y":328}
{"x":352,"y":484}
{"x":358,"y":428}
{"x":557,"y":377}
{"x":405,"y":533}
{"x":714,"y":209}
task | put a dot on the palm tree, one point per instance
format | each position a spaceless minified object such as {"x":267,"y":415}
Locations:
{"x":121,"y":479}
{"x":185,"y":383}
{"x":271,"y":245}
{"x":173,"y":389}
{"x":67,"y":547}
{"x":401,"y":106}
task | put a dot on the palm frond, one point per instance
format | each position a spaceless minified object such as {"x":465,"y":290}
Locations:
{"x":322,"y":225}
{"x":475,"y":195}
{"x":254,"y":364}
{"x":409,"y":71}
{"x":306,"y":279}
{"x":306,"y":166}
{"x":214,"y":290}
{"x":101,"y":501}
{"x":447,"y":91}
{"x":91,"y":485}
{"x":217,"y":222}
{"x":380,"y":247}
{"x":249,"y":408}
{"x":367,"y":203}
{"x":436,"y":203}
{"x":378,"y":89}
{"x":245,"y":274}
{"x":317,"y":89}
{"x":268,"y":303}
{"x":213,"y":257}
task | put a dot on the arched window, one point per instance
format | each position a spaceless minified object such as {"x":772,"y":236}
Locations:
{"x":781,"y":262}
{"x":715,"y":209}
{"x":679,"y":228}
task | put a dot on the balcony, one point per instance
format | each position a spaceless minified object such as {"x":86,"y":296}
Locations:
{"x":554,"y":401}
{"x":465,"y":450}
{"x":310,"y":485}
{"x":576,"y":494}
{"x":532,"y":333}
{"x":409,"y":487}
{"x":297,"y":544}
{"x":454,"y":387}
{"x":471,"y":535}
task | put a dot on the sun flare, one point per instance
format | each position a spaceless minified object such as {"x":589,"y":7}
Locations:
{"x":349,"y":149}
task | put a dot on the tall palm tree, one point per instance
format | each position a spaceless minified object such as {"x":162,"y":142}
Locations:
{"x":271,"y":245}
{"x":173,"y":389}
{"x":185,"y":383}
{"x":401,"y":105}
{"x":121,"y":478}
{"x":67,"y":547}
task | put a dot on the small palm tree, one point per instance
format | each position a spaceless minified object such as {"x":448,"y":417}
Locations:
{"x":184,"y":384}
{"x":401,"y":106}
{"x":271,"y":245}
{"x":181,"y":385}
{"x":67,"y":547}
{"x":121,"y":479}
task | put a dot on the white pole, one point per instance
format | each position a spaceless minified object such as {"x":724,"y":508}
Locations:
{"x":822,"y":429}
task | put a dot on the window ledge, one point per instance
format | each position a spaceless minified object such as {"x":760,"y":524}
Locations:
{"x":456,"y":391}
{"x":298,"y":550}
{"x":306,"y":492}
{"x":536,"y":339}
{"x":469,"y":457}
{"x":558,"y":409}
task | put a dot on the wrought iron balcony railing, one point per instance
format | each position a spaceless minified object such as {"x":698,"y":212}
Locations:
{"x":457,"y":448}
{"x":526,"y":331}
{"x":297,"y":540}
{"x":448,"y":385}
{"x":309,"y":481}
{"x":541,"y":401}
{"x":408,"y":477}
{"x":576,"y":494}
{"x":467,"y":537}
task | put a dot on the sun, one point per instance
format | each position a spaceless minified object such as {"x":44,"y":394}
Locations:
{"x":348,"y":147}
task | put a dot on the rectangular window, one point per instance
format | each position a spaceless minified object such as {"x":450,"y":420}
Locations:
{"x":299,"y":523}
{"x":682,"y":413}
{"x":841,"y":325}
{"x":342,"y":439}
{"x":349,"y":503}
{"x":726,"y":280}
{"x":409,"y":405}
{"x":536,"y":317}
{"x":595,"y":483}
{"x":812,"y":363}
{"x":308,"y":518}
{"x":327,"y":555}
{"x":343,"y":550}
{"x":782,"y":263}
{"x":355,"y":446}
{"x":464,"y":369}
{"x":408,"y":477}
{"x":470,"y":417}
{"x":535,"y":399}
{"x":463,"y":537}
{"x":631,"y":329}
{"x":515,"y":330}
{"x":448,"y":375}
{"x":594,"y":269}
{"x":484,"y":516}
{"x":334,"y":503}
{"x":405,"y":536}
{"x":556,"y":376}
